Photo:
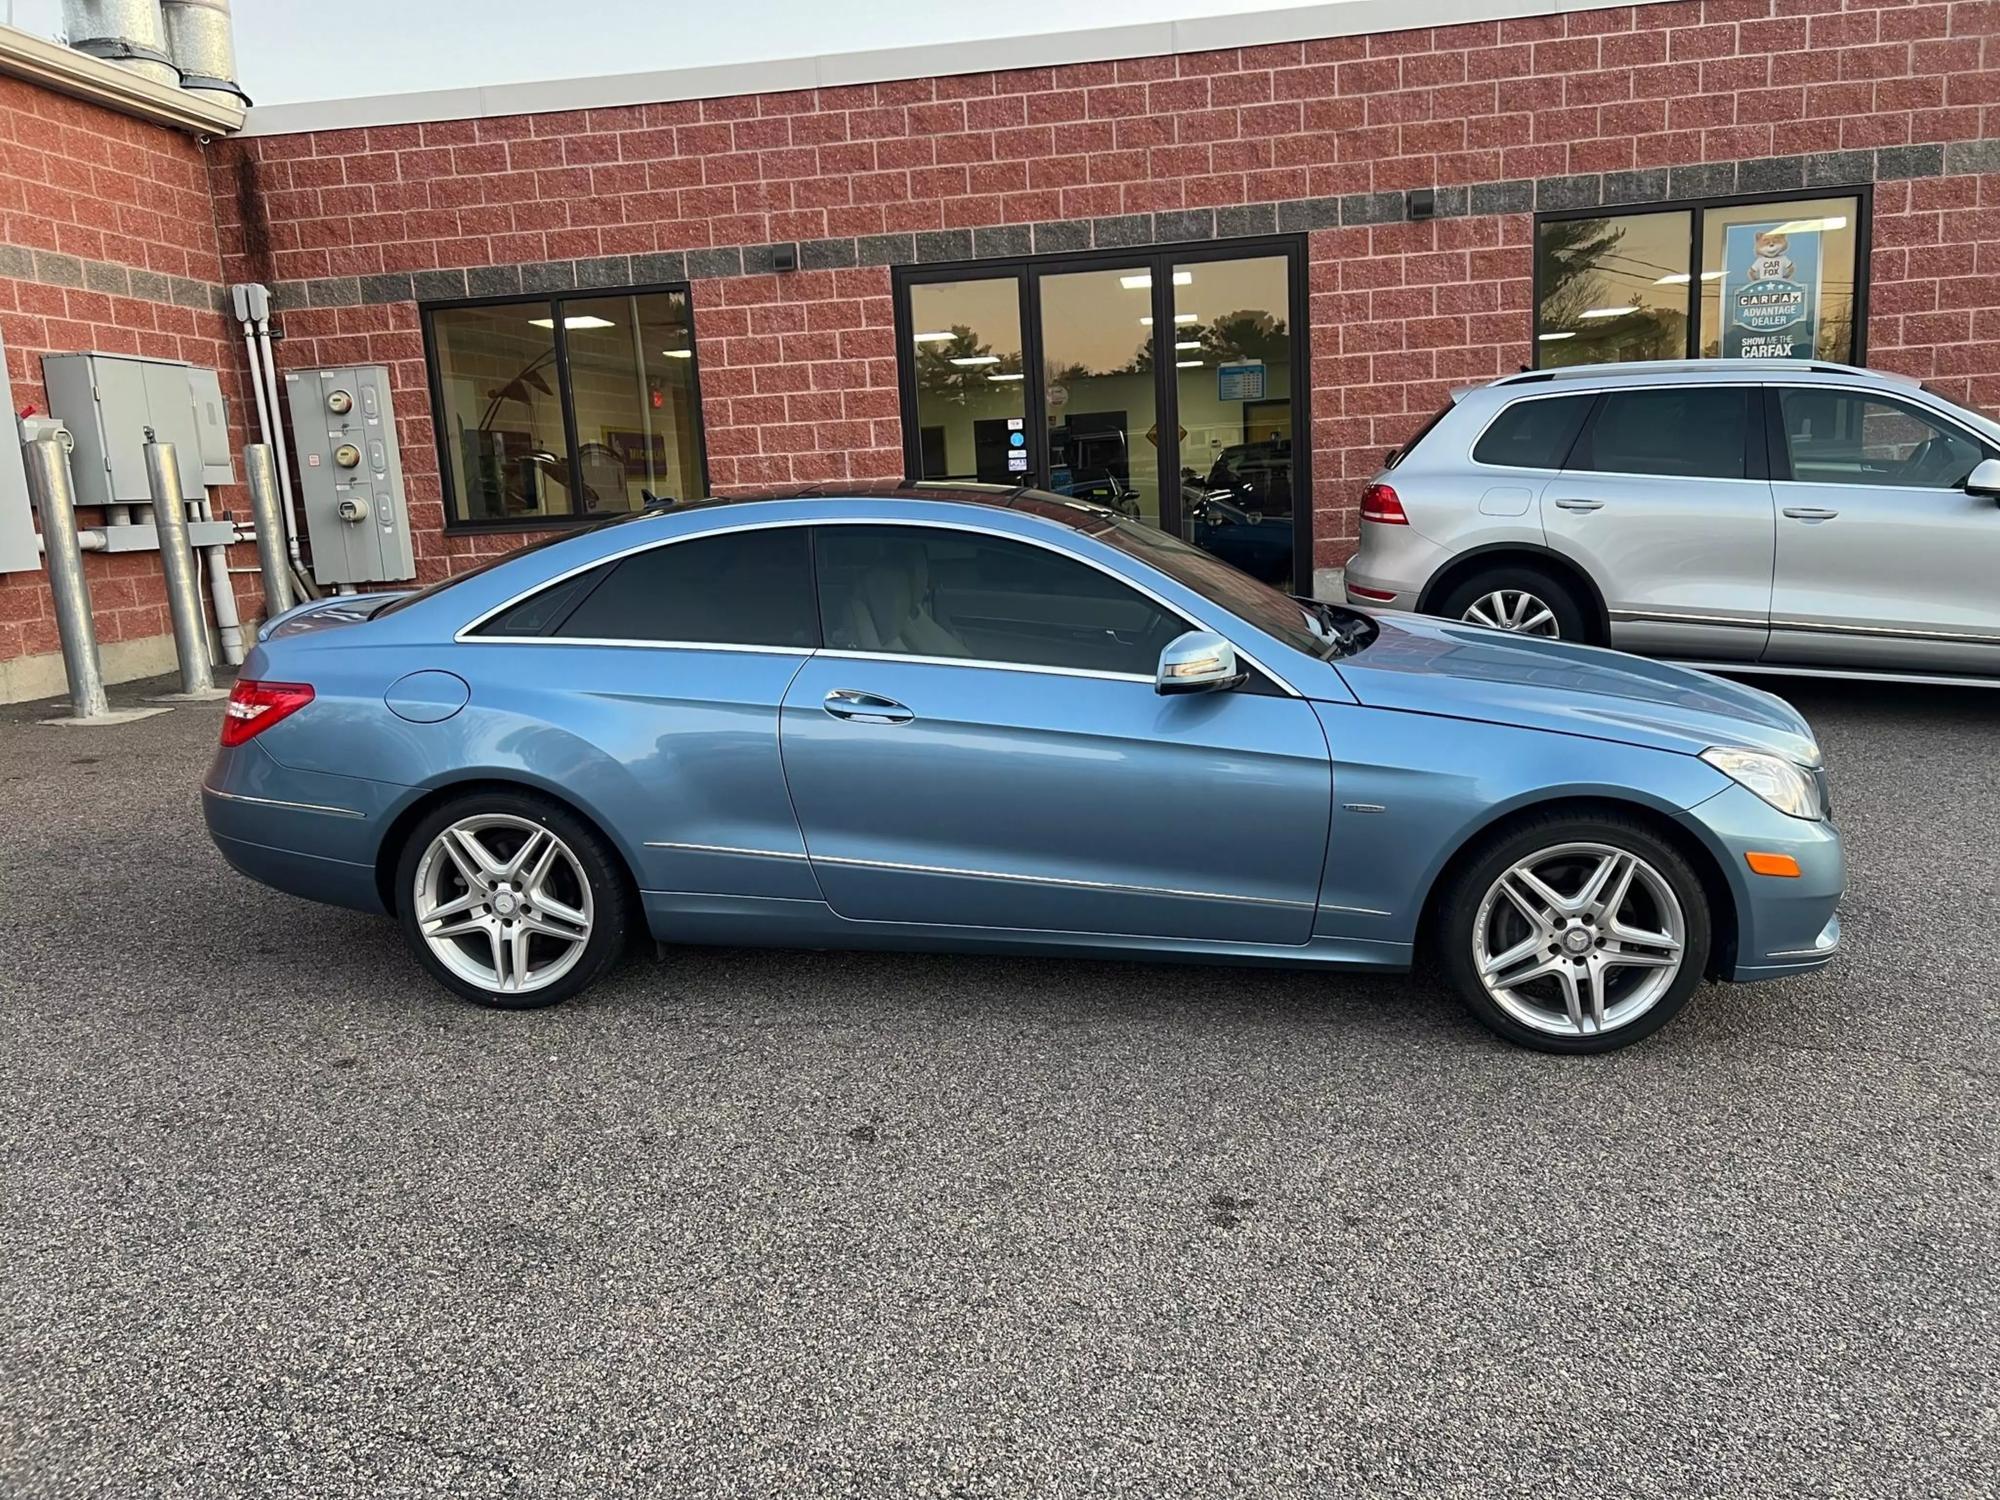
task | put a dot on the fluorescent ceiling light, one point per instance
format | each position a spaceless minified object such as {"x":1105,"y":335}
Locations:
{"x":1178,"y":318}
{"x":1006,"y":377}
{"x":1550,"y":338}
{"x":1189,"y":344}
{"x":1681,"y":278}
{"x":678,"y":353}
{"x":1144,"y":280}
{"x":968,"y":361}
{"x":1808,"y":226}
{"x":582,"y":320}
{"x":1607,"y":312}
{"x":1187,"y":364}
{"x":940,"y":336}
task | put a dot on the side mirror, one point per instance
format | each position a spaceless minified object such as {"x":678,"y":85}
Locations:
{"x":1984,"y":478}
{"x":1198,"y":662}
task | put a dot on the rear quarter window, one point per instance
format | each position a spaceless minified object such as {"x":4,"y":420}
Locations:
{"x":1533,"y":433}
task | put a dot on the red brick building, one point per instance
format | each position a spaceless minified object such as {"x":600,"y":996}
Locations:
{"x":831,"y":280}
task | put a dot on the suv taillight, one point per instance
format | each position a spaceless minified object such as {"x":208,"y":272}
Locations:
{"x":1380,"y":505}
{"x":254,"y":707}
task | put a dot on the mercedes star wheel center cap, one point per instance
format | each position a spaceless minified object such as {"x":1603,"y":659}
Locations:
{"x":503,"y":903}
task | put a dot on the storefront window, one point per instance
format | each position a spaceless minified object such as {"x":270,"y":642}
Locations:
{"x":965,"y":352}
{"x":1756,"y":280}
{"x":575,"y":408}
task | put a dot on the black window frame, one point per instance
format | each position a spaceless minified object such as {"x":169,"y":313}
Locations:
{"x":1697,"y":210}
{"x":552,"y":301}
{"x":1159,"y":260}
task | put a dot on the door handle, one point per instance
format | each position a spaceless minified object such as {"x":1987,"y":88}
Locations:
{"x":865,"y":708}
{"x":1580,"y":505}
{"x":1810,"y":513}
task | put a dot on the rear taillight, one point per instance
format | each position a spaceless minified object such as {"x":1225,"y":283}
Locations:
{"x":1380,"y":505}
{"x":254,"y":707}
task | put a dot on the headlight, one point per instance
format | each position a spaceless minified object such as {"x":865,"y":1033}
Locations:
{"x":1772,"y":777}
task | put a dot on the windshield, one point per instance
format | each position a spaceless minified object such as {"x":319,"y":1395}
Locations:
{"x":1319,"y":630}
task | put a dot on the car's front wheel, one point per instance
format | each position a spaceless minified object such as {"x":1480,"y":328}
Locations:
{"x":511,"y":900}
{"x":1575,"y":933}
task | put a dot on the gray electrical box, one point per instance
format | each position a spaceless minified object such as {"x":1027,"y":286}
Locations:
{"x":18,"y":551}
{"x":350,"y":475}
{"x":108,"y":401}
{"x":211,"y":420}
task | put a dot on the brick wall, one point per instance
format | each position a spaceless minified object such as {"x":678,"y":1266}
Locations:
{"x":107,"y":241}
{"x":1620,"y":105}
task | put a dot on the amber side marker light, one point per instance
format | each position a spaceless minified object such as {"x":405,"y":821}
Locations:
{"x":1773,"y":864}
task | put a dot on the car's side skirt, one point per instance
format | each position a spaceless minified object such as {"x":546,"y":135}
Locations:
{"x":1850,"y":674}
{"x":775,"y":922}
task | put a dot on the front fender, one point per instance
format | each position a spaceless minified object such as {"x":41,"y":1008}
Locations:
{"x":1409,"y":791}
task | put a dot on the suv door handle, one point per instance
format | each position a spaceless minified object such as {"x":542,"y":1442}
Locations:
{"x":865,"y":708}
{"x":1579,"y":505}
{"x":1810,"y":513}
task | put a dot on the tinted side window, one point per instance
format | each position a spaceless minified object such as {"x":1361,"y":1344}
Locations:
{"x":1693,"y":432}
{"x":743,"y":588}
{"x":1845,"y":437}
{"x":1533,"y":434}
{"x":913,"y":591}
{"x":540,"y":614}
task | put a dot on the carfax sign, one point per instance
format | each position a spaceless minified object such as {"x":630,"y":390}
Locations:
{"x":1770,"y":290}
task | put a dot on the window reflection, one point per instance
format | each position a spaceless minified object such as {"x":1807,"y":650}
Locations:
{"x":1233,"y":389}
{"x":630,"y":390}
{"x":1097,"y":358}
{"x":1613,"y":288}
{"x":1804,"y":307}
{"x":965,"y":347}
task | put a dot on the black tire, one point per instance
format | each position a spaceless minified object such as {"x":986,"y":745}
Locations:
{"x":609,"y":898}
{"x":1460,"y":902}
{"x":1573,"y":619}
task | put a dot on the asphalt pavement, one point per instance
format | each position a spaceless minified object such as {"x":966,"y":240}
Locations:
{"x":280,"y":1218}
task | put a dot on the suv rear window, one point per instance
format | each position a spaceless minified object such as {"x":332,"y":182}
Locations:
{"x":1397,"y":455}
{"x":1535,"y":433}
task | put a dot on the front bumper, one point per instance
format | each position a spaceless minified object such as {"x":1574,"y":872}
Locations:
{"x":1784,"y":924}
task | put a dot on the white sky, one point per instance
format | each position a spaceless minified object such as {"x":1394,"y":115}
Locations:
{"x":290,"y":51}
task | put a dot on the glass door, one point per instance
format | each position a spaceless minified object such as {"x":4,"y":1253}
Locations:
{"x":1099,"y":390}
{"x":1157,"y":383}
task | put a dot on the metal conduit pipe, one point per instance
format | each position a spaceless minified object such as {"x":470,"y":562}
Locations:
{"x":222,"y":594}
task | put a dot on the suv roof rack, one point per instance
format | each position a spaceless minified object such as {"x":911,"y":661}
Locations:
{"x":1697,"y":367}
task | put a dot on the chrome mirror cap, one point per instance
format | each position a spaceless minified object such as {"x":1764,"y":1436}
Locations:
{"x":1199,"y":662}
{"x":1984,"y":478}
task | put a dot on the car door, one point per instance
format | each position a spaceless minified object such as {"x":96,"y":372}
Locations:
{"x":1883,"y":560}
{"x":980,"y":744}
{"x":652,"y":682}
{"x":1665,"y":504}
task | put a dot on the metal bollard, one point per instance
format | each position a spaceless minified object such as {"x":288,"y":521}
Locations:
{"x":177,"y":563}
{"x":267,"y":508}
{"x":55,"y":499}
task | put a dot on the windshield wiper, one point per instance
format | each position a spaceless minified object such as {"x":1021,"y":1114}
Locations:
{"x":1345,"y":633}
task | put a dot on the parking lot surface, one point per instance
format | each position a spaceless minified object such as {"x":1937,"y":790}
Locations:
{"x":283,"y":1219}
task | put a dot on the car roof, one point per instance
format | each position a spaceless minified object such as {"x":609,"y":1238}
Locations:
{"x":1643,"y":371}
{"x":1082,"y":515}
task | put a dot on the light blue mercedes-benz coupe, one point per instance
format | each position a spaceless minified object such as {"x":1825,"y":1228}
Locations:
{"x":980,"y":719}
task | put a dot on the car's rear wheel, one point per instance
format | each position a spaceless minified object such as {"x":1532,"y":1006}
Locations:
{"x":1575,"y":934}
{"x":1516,"y":597}
{"x":511,"y":900}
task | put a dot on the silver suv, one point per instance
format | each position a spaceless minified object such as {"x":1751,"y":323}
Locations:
{"x":1752,"y":517}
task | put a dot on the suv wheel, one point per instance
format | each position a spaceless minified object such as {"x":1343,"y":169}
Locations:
{"x":1519,"y":598}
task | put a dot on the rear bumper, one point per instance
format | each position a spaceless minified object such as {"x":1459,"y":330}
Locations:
{"x":1784,"y":924}
{"x":304,"y":832}
{"x":1393,"y":561}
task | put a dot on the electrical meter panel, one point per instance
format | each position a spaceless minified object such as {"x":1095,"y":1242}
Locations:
{"x":107,"y":401}
{"x":350,"y":475}
{"x":211,"y":420}
{"x":19,"y":552}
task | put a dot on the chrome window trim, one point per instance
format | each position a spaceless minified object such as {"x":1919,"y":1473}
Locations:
{"x":725,"y":849}
{"x":1068,"y":882}
{"x":464,"y":635}
{"x":980,"y":661}
{"x":1674,"y":617}
{"x":311,"y":807}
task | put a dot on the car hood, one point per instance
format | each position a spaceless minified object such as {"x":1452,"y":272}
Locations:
{"x":1466,"y":672}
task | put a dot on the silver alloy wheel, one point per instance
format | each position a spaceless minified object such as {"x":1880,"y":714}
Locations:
{"x":1513,"y":609}
{"x":1578,"y":939}
{"x":503,"y":903}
